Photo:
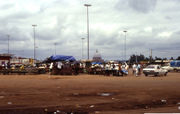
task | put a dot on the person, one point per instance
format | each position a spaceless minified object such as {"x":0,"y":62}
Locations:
{"x":59,"y":65}
{"x":22,"y":67}
{"x":134,"y":68}
{"x":76,"y":68}
{"x":51,"y":67}
{"x":120,"y":69}
{"x":139,"y":69}
{"x":8,"y":65}
{"x":107,"y":68}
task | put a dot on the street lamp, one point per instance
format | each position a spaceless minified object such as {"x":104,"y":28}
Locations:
{"x":8,"y":42}
{"x":55,"y":47}
{"x":82,"y":48}
{"x":34,"y":42}
{"x":125,"y":45}
{"x":87,"y":5}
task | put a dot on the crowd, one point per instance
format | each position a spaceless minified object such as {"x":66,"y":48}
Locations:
{"x":116,"y":69}
{"x":74,"y":68}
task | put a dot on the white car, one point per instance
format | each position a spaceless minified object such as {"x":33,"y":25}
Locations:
{"x":168,"y":68}
{"x":154,"y":70}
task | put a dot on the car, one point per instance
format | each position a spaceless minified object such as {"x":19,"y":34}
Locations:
{"x":154,"y":70}
{"x":168,"y":68}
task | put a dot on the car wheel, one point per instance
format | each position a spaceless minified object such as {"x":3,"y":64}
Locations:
{"x":156,"y":74}
{"x":165,"y":74}
{"x":146,"y":74}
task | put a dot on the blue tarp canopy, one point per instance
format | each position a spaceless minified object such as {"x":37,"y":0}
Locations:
{"x":62,"y":58}
{"x":93,"y":63}
{"x":175,"y":63}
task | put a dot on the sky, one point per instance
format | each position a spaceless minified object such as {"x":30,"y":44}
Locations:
{"x":150,"y":24}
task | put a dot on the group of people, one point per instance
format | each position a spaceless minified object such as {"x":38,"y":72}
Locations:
{"x":116,"y":69}
{"x":64,"y":68}
{"x":136,"y":69}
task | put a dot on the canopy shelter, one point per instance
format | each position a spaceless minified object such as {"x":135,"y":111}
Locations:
{"x":62,"y":58}
{"x":99,"y":63}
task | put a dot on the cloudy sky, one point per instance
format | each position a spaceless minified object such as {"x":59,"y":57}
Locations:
{"x":150,"y":24}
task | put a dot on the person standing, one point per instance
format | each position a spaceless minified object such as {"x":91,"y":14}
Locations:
{"x":120,"y":69}
{"x":134,"y":68}
{"x":139,"y":69}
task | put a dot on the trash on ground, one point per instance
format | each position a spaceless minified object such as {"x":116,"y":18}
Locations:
{"x":105,"y":94}
{"x":163,"y":101}
{"x":1,"y":97}
{"x":146,"y":107}
{"x":9,"y":103}
{"x":96,"y":112}
{"x":45,"y":109}
{"x":91,"y":106}
{"x":77,"y":105}
{"x":58,"y":111}
{"x":179,"y":107}
{"x":75,"y":94}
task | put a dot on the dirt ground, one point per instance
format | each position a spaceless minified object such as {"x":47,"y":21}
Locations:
{"x":84,"y":94}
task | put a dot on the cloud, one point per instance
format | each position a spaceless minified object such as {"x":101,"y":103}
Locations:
{"x":144,"y":6}
{"x":151,"y":24}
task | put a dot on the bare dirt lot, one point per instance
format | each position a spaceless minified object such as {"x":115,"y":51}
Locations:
{"x":84,"y":94}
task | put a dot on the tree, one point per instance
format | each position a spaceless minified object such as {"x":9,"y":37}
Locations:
{"x":178,"y":58}
{"x":171,"y":58}
{"x":137,"y":58}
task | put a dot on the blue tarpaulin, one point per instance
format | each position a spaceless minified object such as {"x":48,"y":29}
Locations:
{"x":175,"y":63}
{"x":62,"y":58}
{"x":93,"y":63}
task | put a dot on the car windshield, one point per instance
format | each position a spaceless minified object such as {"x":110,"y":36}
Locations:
{"x":150,"y":66}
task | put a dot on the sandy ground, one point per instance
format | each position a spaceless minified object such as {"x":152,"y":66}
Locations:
{"x":84,"y":94}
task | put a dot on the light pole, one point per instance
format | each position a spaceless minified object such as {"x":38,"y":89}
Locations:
{"x":125,"y":45}
{"x":34,"y":42}
{"x":8,"y":43}
{"x":55,"y":47}
{"x":82,"y":48}
{"x":87,"y":5}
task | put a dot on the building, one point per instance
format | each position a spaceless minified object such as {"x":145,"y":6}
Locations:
{"x":97,"y":57}
{"x":5,"y":58}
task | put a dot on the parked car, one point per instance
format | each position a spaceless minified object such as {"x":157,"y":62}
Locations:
{"x":154,"y":70}
{"x":176,"y":65}
{"x":168,"y":68}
